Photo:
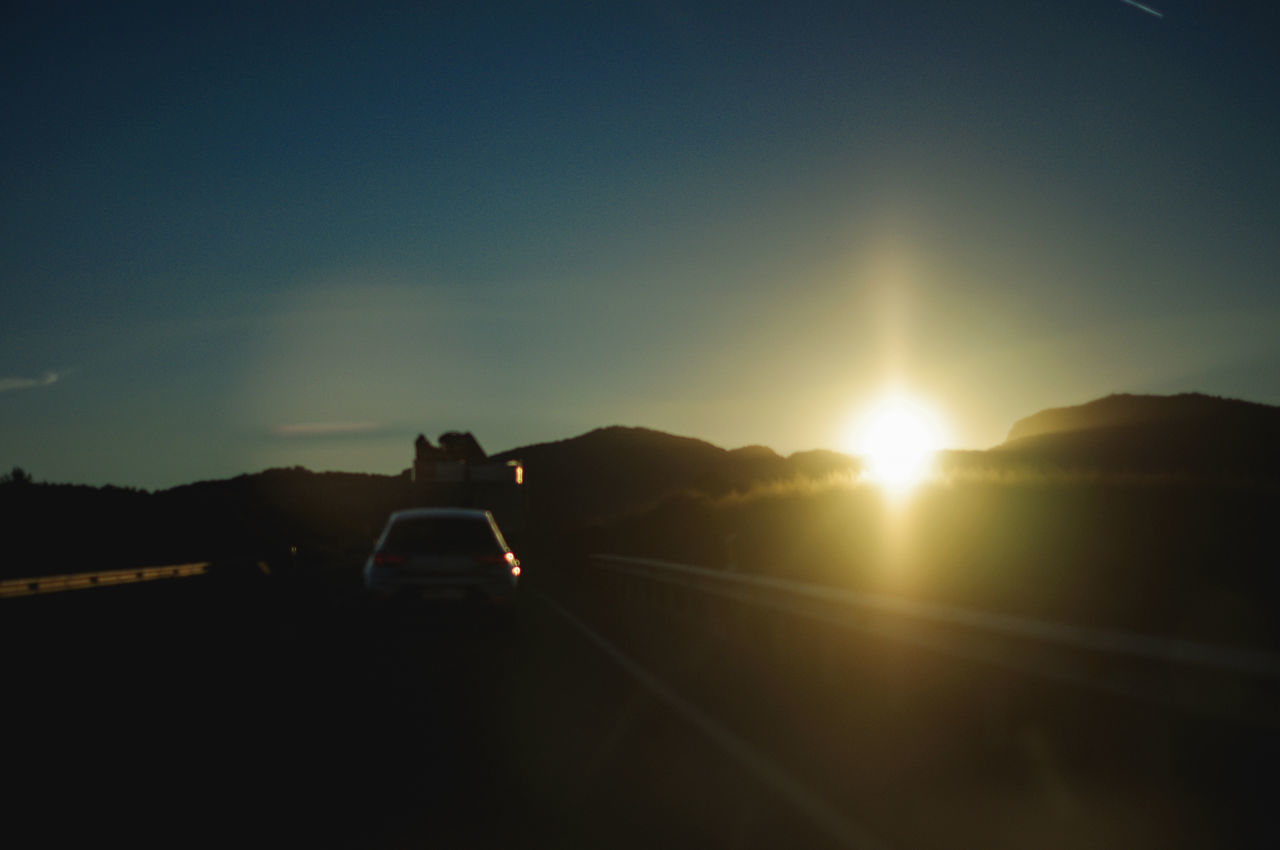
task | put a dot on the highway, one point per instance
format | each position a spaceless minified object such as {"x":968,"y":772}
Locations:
{"x":346,"y":725}
{"x":211,"y":711}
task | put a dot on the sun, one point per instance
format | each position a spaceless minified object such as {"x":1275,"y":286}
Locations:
{"x":897,"y":438}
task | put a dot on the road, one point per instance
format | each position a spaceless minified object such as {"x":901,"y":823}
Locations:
{"x":178,"y":723}
{"x":196,"y":712}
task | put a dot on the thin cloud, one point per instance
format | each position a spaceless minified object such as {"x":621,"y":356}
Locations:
{"x":325,"y":429}
{"x":7,"y":384}
{"x":1146,"y":9}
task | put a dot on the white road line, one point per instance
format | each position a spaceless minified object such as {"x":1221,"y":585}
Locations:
{"x":830,"y":821}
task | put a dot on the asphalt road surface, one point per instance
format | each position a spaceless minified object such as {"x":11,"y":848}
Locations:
{"x":147,"y":715}
{"x":212,"y":711}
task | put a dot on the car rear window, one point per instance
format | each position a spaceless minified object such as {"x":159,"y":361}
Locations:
{"x":442,"y":536}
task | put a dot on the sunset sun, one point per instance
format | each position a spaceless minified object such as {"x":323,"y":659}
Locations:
{"x":897,"y":438}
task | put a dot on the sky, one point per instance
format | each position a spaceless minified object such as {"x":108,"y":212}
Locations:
{"x":242,"y":235}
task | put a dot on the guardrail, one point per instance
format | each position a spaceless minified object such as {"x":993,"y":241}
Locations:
{"x":1236,"y":682}
{"x":102,"y":578}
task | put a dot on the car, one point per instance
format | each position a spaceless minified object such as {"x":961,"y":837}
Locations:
{"x":453,"y":553}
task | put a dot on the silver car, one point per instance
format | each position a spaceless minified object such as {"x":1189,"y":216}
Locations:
{"x":443,"y":553}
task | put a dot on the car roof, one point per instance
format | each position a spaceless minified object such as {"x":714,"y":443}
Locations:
{"x":459,"y":513}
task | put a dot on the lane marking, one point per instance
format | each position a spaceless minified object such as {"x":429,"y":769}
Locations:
{"x":827,"y":819}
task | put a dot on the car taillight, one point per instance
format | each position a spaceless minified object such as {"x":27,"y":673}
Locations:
{"x":388,"y":559}
{"x":507,"y":558}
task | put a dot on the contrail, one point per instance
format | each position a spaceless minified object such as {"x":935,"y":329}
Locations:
{"x":1146,"y":9}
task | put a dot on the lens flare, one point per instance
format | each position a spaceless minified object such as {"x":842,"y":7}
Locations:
{"x":897,"y":439}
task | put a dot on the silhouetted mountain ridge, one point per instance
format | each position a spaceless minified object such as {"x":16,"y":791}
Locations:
{"x":1128,"y":409}
{"x":605,"y":473}
{"x":1190,"y":433}
{"x":616,"y":469}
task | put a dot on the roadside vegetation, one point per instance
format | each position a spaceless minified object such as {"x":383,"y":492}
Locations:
{"x":1165,"y":553}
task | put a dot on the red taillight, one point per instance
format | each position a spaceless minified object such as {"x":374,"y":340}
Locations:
{"x":388,"y":559}
{"x":507,"y":558}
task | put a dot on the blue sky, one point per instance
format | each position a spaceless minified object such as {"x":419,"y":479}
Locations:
{"x":235,"y":238}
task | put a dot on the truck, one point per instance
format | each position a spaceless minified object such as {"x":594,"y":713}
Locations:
{"x":458,"y":473}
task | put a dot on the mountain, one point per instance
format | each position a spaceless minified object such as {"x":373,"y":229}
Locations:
{"x":332,"y":517}
{"x":1187,"y":433}
{"x":295,"y":516}
{"x":613,"y":470}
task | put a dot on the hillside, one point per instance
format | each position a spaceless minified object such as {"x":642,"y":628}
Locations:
{"x":590,"y":479}
{"x":1187,"y":433}
{"x":1183,"y":548}
{"x":616,"y":469}
{"x":332,"y":517}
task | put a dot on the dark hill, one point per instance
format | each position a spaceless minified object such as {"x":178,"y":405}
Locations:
{"x":613,"y":470}
{"x":817,"y":463}
{"x":1188,"y":433}
{"x":280,"y":507}
{"x":290,"y":516}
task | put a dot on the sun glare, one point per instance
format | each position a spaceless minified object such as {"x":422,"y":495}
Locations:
{"x":897,"y":438}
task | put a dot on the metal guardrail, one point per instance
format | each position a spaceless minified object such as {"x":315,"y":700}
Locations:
{"x":1238,"y":682}
{"x":103,"y":578}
